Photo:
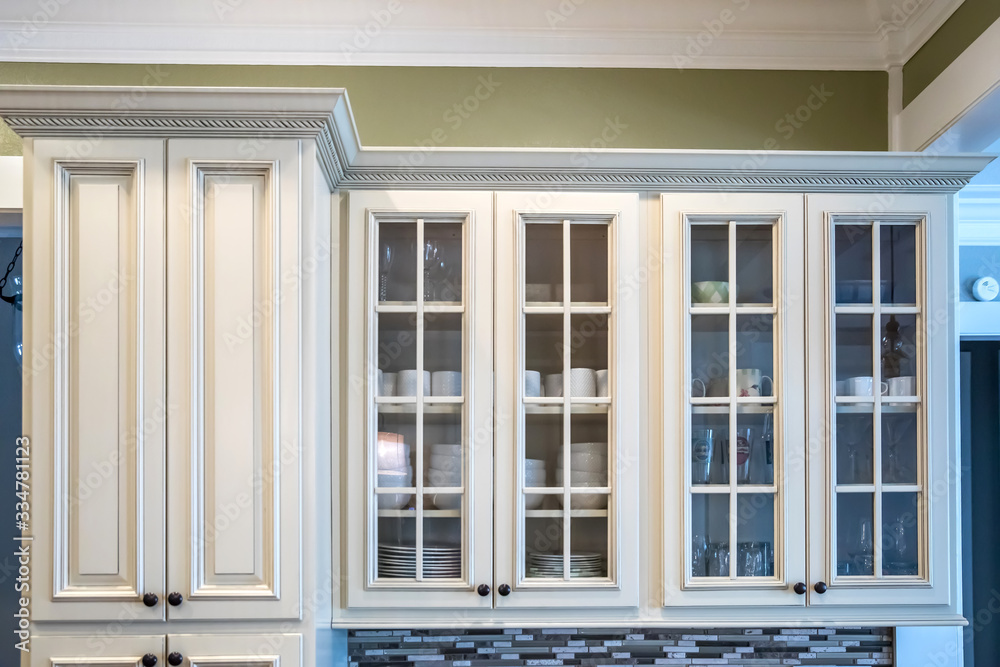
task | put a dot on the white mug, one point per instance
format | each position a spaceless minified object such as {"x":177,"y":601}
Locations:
{"x":406,"y":383}
{"x":750,"y":382}
{"x":582,"y":382}
{"x":904,"y":385}
{"x":602,"y":383}
{"x":699,"y":393}
{"x":532,"y":384}
{"x":446,"y":383}
{"x":386,"y":384}
{"x":553,"y":385}
{"x":864,"y":386}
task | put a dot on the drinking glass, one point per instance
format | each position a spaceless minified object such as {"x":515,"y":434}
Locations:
{"x":718,"y":564}
{"x":386,"y":256}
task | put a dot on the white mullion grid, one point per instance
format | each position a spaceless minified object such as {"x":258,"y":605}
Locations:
{"x":688,"y":531}
{"x":466,"y":412}
{"x":834,"y":448}
{"x":611,"y":417}
{"x":920,"y":371}
{"x":733,"y":509}
{"x":567,"y":407}
{"x":418,"y":471}
{"x":877,"y":392}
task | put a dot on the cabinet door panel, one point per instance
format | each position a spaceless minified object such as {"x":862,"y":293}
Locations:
{"x":94,"y":376}
{"x":234,"y":530}
{"x":259,"y":650}
{"x":95,"y":651}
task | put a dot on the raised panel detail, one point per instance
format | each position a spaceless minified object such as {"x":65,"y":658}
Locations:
{"x":99,"y":334}
{"x":258,"y":650}
{"x":95,"y":651}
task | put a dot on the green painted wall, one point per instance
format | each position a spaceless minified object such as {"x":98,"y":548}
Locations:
{"x":550,"y":107}
{"x":961,"y":29}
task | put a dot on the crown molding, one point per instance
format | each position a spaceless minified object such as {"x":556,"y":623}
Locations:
{"x":324,"y":115}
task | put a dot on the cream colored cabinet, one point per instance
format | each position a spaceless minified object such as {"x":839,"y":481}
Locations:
{"x":163,"y":344}
{"x":492,"y":358}
{"x":844,"y":296}
{"x":259,"y":650}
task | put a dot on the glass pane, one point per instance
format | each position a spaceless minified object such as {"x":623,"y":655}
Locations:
{"x":709,"y":426}
{"x":444,"y":455}
{"x":397,"y":538}
{"x":754,"y":264}
{"x":543,"y":351}
{"x":853,"y":263}
{"x":854,"y":355}
{"x":854,"y":447}
{"x":543,"y":263}
{"x":899,"y":447}
{"x":899,"y":354}
{"x":900,"y":533}
{"x":855,"y":534}
{"x":898,"y":258}
{"x":710,"y":355}
{"x":544,"y":547}
{"x":710,"y":264}
{"x":443,"y":353}
{"x":589,"y":549}
{"x":588,"y":345}
{"x":543,"y":438}
{"x":442,"y":554}
{"x":588,"y":262}
{"x":397,"y":351}
{"x":755,"y":355}
{"x":397,"y":257}
{"x":755,"y":535}
{"x":754,"y":444}
{"x":442,"y":261}
{"x":710,"y":535}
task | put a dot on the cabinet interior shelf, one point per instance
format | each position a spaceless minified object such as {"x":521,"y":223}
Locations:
{"x":742,"y":408}
{"x":411,"y":307}
{"x":429,"y":408}
{"x":412,"y":514}
{"x":558,"y":514}
{"x":574,"y":408}
{"x":866,"y":408}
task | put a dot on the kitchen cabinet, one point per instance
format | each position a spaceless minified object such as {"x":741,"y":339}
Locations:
{"x":845,"y":297}
{"x":260,"y":650}
{"x":462,"y":469}
{"x":165,"y":356}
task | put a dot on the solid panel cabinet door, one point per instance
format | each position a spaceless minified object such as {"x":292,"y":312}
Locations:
{"x":233,"y":355}
{"x":96,"y":651}
{"x":881,"y":401}
{"x":258,"y":650}
{"x":733,"y":411}
{"x":93,"y":367}
{"x":567,"y":400}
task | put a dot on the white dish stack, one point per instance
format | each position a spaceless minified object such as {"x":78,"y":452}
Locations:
{"x":534,"y":475}
{"x":394,"y":470}
{"x":588,"y":467}
{"x":445,"y":470}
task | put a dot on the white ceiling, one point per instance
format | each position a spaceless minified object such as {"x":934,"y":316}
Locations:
{"x":781,"y":34}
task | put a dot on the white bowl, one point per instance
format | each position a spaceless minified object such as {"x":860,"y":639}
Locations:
{"x":586,"y":501}
{"x":395,"y":478}
{"x":446,"y":450}
{"x":436,"y":478}
{"x":585,"y":461}
{"x":447,"y":501}
{"x":446,"y":463}
{"x":581,"y":478}
{"x":392,"y":451}
{"x":393,"y":501}
{"x":590,"y":447}
{"x":446,"y":383}
{"x":534,"y":464}
{"x":537,"y":292}
{"x":533,"y":501}
{"x":534,"y":479}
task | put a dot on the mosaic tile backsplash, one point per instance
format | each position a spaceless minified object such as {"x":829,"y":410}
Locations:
{"x":587,"y":646}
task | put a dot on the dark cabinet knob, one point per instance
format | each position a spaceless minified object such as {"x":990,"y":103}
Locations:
{"x":799,"y":588}
{"x":175,"y":658}
{"x":503,"y":589}
{"x":820,"y":587}
{"x":148,"y":660}
{"x":483,"y":590}
{"x":175,"y":599}
{"x":150,"y":599}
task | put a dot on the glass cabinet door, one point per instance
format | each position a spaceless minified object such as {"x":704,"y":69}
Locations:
{"x":423,"y":480}
{"x":877,"y":415}
{"x":739,"y":308}
{"x":565,"y":379}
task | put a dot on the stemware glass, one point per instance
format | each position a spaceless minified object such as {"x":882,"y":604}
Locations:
{"x":431,"y":261}
{"x":386,"y":256}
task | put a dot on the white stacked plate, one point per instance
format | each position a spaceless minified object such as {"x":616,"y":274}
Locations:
{"x":581,"y":564}
{"x":399,"y":561}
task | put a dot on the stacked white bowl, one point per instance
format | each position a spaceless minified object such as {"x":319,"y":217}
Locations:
{"x":394,"y":470}
{"x":534,"y":475}
{"x":588,"y":467}
{"x":445,"y":469}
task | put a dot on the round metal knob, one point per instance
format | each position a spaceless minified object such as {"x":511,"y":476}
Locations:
{"x":820,"y":587}
{"x":175,"y":658}
{"x":148,"y":660}
{"x":503,"y":589}
{"x":799,"y":588}
{"x":175,"y":599}
{"x":483,"y":590}
{"x":150,"y":599}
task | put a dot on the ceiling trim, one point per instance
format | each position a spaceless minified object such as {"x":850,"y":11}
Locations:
{"x":324,"y":115}
{"x":890,"y":39}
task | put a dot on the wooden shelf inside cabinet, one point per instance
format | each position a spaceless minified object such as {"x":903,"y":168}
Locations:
{"x":412,"y":513}
{"x":429,"y":408}
{"x":867,"y":407}
{"x":742,"y":408}
{"x":575,"y":408}
{"x":558,"y":514}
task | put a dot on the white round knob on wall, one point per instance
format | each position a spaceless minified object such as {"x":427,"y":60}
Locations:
{"x":986,"y":288}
